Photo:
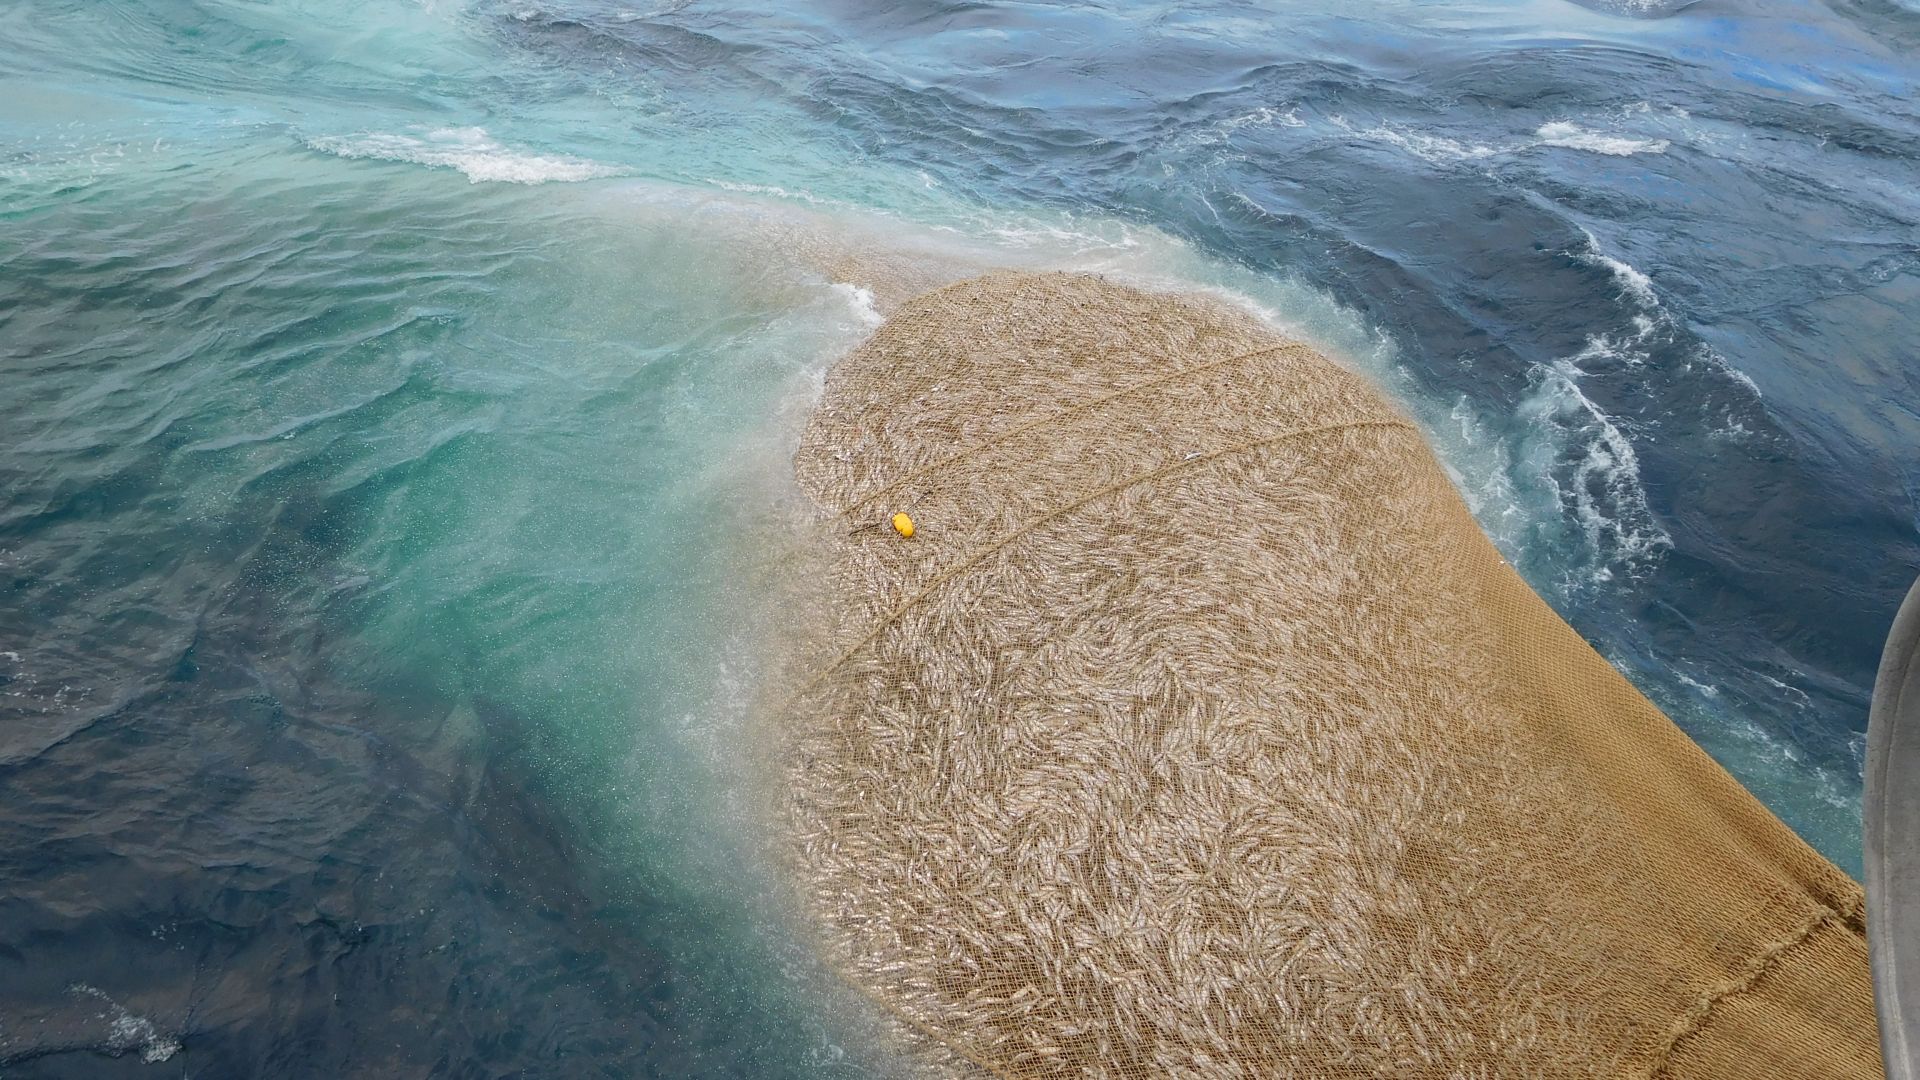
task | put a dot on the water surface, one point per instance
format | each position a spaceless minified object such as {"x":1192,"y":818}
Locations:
{"x":395,"y":400}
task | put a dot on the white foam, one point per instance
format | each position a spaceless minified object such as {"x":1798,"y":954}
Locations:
{"x":470,"y":150}
{"x":860,"y":299}
{"x":1264,"y":116}
{"x":774,"y":190}
{"x":1647,"y":108}
{"x":1217,"y":142}
{"x":126,"y":1031}
{"x":1440,"y":149}
{"x":1704,"y":689}
{"x":1572,"y":136}
{"x":1477,"y":460}
{"x":1073,"y":239}
{"x":1592,"y":469}
{"x":1606,"y":347}
{"x":1712,"y":358}
{"x":1434,"y":148}
{"x":1800,"y":698}
{"x":1633,"y":282}
{"x":1638,"y":287}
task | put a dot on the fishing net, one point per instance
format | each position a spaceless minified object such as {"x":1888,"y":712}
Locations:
{"x":1199,"y":731}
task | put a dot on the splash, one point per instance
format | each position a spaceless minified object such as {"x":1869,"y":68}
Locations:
{"x":860,"y":299}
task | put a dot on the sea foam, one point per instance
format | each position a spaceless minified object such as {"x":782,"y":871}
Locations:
{"x":1572,"y":136}
{"x":1564,"y":134}
{"x":470,"y":150}
{"x":1593,"y":471}
{"x":1633,"y":282}
{"x":129,"y":1032}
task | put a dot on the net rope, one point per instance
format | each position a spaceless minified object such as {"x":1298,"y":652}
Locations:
{"x":1053,"y":418}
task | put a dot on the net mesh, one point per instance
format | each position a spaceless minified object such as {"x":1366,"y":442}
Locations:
{"x":1199,"y":731}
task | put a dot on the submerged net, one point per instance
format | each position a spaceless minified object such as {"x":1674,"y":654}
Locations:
{"x":1199,"y":731}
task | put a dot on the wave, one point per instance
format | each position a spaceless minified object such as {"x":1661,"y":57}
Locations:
{"x":470,"y":150}
{"x":1633,"y":283}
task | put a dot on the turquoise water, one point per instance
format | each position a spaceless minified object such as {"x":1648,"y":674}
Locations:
{"x":396,"y":398}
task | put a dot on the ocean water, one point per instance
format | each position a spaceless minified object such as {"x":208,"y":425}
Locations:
{"x":396,"y":395}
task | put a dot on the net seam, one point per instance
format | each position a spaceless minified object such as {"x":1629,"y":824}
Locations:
{"x":1042,"y":421}
{"x":1696,"y":1017}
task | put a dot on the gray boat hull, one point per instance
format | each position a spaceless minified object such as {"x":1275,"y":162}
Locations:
{"x":1892,"y":841}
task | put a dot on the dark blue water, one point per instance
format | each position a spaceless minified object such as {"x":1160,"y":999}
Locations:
{"x":395,"y":398}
